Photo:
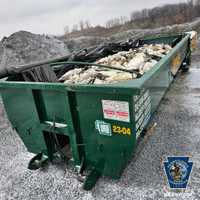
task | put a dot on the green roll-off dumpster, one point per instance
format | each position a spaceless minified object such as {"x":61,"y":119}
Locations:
{"x":96,"y":126}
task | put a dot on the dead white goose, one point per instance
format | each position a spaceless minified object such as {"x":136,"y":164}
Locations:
{"x":121,"y":76}
{"x":70,"y":74}
{"x":147,"y":66}
{"x":137,"y":62}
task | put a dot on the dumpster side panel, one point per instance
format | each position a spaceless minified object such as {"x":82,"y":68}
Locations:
{"x":159,"y":82}
{"x":108,"y":142}
{"x":156,"y":86}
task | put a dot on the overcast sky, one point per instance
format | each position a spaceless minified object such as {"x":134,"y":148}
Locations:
{"x":50,"y":16}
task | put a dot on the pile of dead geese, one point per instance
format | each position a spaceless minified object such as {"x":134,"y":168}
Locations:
{"x":127,"y":65}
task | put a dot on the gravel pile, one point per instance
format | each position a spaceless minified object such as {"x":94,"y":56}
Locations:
{"x":25,"y":47}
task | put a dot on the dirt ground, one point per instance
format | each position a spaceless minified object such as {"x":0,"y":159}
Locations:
{"x":177,"y":133}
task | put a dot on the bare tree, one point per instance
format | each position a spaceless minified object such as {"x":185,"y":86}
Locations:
{"x":75,"y":28}
{"x":66,"y":29}
{"x":113,"y":22}
{"x":87,"y":24}
{"x":81,"y":25}
{"x":123,"y":20}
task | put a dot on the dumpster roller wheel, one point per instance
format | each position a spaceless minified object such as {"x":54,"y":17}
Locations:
{"x":91,"y":179}
{"x":38,"y":161}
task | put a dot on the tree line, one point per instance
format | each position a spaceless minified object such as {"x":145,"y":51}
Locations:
{"x":167,"y":14}
{"x":147,"y":18}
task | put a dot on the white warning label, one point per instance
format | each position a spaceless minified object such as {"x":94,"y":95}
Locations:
{"x":116,"y":110}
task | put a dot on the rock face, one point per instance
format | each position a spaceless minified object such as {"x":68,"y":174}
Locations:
{"x":25,"y":47}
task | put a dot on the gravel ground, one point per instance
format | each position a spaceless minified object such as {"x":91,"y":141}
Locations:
{"x":177,"y":133}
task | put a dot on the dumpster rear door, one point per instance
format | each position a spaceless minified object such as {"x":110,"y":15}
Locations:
{"x":39,"y":112}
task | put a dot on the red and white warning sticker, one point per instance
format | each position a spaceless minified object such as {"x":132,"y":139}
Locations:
{"x":116,"y":110}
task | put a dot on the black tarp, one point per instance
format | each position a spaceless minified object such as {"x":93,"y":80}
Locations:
{"x":37,"y":74}
{"x":40,"y":74}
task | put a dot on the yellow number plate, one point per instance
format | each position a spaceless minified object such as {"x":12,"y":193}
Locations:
{"x":121,"y":130}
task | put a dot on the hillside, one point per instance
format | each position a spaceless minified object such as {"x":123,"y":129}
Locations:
{"x":148,"y":18}
{"x":25,"y":47}
{"x":80,"y":42}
